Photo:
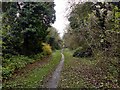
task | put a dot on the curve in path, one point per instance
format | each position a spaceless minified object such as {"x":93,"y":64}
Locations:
{"x":53,"y":81}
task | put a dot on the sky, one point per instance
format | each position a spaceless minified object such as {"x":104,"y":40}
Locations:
{"x":61,"y":19}
{"x":62,"y":8}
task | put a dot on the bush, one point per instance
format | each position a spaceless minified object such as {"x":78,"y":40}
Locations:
{"x":9,"y":65}
{"x":13,"y":63}
{"x":46,"y":49}
{"x":82,"y":52}
{"x":6,"y":72}
{"x":37,"y":56}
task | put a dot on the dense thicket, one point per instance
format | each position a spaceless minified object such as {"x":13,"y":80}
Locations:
{"x":94,"y":31}
{"x":54,"y":39}
{"x":25,"y":25}
{"x":26,"y":34}
{"x":94,"y":25}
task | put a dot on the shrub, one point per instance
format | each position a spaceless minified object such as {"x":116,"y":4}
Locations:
{"x":82,"y":52}
{"x":15,"y":62}
{"x":9,"y":65}
{"x":38,"y":56}
{"x":6,"y":72}
{"x":46,"y":49}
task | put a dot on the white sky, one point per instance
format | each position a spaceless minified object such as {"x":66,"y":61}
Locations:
{"x":62,"y":8}
{"x":61,"y":20}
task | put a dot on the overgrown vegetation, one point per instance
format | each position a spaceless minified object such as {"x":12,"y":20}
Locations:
{"x":47,"y":49}
{"x":35,"y":77}
{"x":92,"y":37}
{"x":54,"y":39}
{"x":17,"y":62}
{"x":87,"y":73}
{"x":95,"y":31}
{"x":71,"y":76}
{"x":25,"y":25}
{"x":25,"y":34}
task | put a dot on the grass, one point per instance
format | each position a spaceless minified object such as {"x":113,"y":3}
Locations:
{"x":35,"y":77}
{"x":16,"y":63}
{"x":70,"y":76}
{"x":86,"y":73}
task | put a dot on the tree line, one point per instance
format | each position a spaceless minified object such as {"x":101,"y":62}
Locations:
{"x":25,"y":26}
{"x":94,"y":32}
{"x":27,"y":34}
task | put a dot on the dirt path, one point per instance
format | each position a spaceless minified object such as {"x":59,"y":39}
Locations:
{"x":53,"y":81}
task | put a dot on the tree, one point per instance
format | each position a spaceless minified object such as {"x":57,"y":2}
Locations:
{"x":78,"y":23}
{"x":93,"y":25}
{"x":25,"y":26}
{"x":53,"y":38}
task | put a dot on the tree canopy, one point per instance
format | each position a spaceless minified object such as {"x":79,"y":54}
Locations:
{"x":25,"y":26}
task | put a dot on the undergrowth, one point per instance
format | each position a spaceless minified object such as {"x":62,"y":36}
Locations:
{"x":34,"y":78}
{"x":95,"y":72}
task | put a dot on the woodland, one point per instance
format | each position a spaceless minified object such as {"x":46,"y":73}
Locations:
{"x":31,"y":46}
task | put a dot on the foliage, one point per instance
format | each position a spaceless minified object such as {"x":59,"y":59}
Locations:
{"x":77,"y":16}
{"x":71,"y":77}
{"x":35,"y":77}
{"x":95,"y":29}
{"x":53,"y":38}
{"x":88,"y":73}
{"x":98,"y":30}
{"x":25,"y":26}
{"x":46,"y":49}
{"x":37,"y":56}
{"x":14,"y":63}
{"x":79,"y":19}
{"x":83,"y":52}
